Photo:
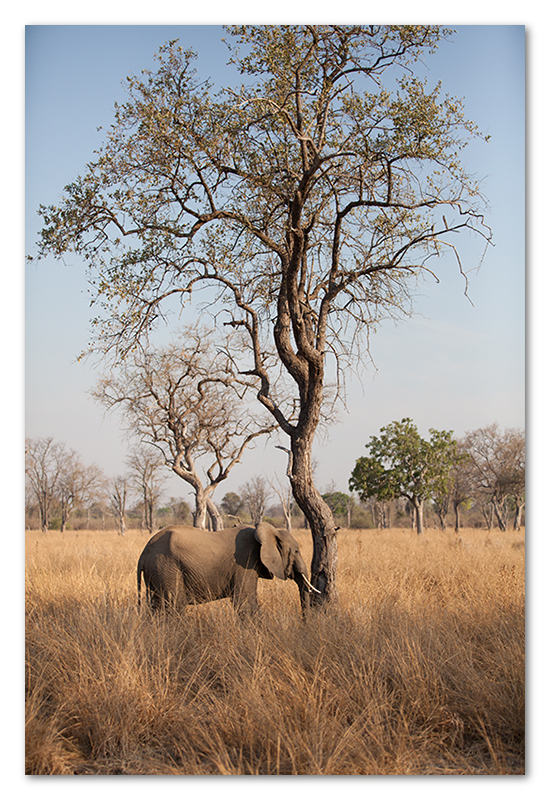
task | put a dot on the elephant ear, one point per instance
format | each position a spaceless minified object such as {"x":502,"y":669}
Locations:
{"x":270,"y":556}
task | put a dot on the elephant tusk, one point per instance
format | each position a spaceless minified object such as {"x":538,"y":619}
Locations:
{"x":309,"y":586}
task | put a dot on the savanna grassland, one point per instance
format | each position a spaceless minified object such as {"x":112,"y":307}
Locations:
{"x":419,"y":670}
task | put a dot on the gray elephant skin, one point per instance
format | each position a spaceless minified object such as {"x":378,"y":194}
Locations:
{"x":182,"y":565}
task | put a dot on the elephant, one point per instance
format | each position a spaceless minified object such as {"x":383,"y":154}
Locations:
{"x":183,"y":565}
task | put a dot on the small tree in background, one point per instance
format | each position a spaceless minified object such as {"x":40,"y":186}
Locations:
{"x":180,"y":509}
{"x":118,"y":495}
{"x":231,"y":504}
{"x":286,"y":500}
{"x":402,"y":464}
{"x":147,"y":479}
{"x":339,"y":503}
{"x":44,"y":463}
{"x":255,"y":495}
{"x":79,"y":485}
{"x":498,"y":472}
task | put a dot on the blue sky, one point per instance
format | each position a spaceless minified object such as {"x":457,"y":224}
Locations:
{"x":458,"y":365}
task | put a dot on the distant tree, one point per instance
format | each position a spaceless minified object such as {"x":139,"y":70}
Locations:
{"x":339,"y":503}
{"x":68,"y":486}
{"x":148,"y":480}
{"x":283,"y":490}
{"x":78,"y":485}
{"x":185,"y":401}
{"x":45,"y":461}
{"x":402,"y":464}
{"x":462,"y":490}
{"x":231,"y":504}
{"x":118,"y":496}
{"x":457,"y":493}
{"x":441,"y":506}
{"x":498,"y":471}
{"x":180,"y":509}
{"x":255,"y":495}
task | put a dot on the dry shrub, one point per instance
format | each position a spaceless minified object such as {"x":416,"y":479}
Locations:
{"x":418,"y":670}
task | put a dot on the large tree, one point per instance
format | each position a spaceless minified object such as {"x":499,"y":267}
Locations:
{"x":308,"y":200}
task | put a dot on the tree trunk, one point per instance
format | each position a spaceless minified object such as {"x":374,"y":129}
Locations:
{"x":418,"y":515}
{"x":501,"y":515}
{"x":64,"y":515}
{"x":288,"y":519}
{"x":199,"y":514}
{"x":43,"y":508}
{"x":216,"y":519}
{"x":152,"y":517}
{"x":517,"y":515}
{"x":488,"y":513}
{"x":321,"y":523}
{"x":457,"y":516}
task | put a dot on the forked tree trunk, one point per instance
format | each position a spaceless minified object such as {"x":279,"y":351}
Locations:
{"x":502,"y":516}
{"x":216,"y":519}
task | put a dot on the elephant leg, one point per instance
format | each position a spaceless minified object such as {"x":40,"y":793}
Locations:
{"x":165,"y":588}
{"x":244,"y":595}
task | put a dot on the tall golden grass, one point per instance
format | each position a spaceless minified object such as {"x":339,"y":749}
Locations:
{"x":418,"y":670}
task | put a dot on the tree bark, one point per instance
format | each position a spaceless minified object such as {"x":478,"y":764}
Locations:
{"x":321,"y":523}
{"x":216,"y":519}
{"x":501,"y":515}
{"x":457,"y":516}
{"x":418,"y":515}
{"x":199,"y":514}
{"x":517,"y":516}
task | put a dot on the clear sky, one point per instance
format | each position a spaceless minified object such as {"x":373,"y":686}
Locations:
{"x":458,"y":365}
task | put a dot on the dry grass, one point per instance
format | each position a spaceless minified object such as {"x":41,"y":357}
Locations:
{"x":420,"y":669}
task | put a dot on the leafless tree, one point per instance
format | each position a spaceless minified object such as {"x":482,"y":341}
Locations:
{"x":118,"y":496}
{"x":498,"y":471}
{"x":78,"y":485}
{"x":187,"y":401}
{"x":286,"y":499}
{"x":284,"y":490}
{"x":146,"y":476}
{"x":44,"y":463}
{"x":255,"y":495}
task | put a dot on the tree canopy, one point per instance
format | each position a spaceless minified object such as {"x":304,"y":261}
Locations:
{"x":403,"y":464}
{"x":306,"y":203}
